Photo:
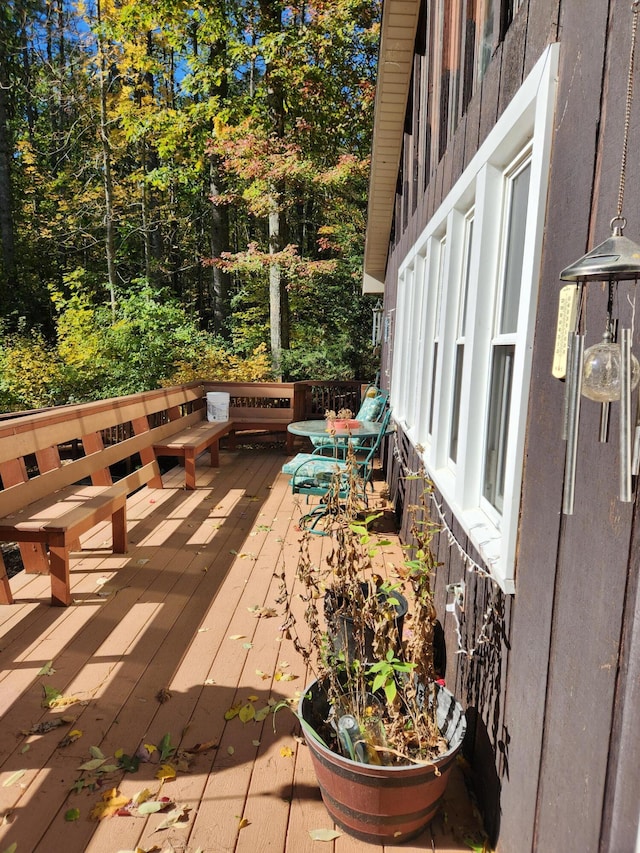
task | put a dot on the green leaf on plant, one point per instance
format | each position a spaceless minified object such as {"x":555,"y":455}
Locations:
{"x":390,"y":691}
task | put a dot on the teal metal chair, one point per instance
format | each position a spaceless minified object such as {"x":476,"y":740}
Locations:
{"x":373,"y":407}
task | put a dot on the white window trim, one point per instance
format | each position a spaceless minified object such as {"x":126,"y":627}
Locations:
{"x":526,"y":124}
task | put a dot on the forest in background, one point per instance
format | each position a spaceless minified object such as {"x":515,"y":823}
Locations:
{"x":182,"y":193}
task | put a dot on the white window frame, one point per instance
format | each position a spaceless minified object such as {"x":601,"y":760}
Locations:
{"x":429,"y":293}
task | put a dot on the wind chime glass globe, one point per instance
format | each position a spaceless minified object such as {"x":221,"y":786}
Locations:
{"x":601,"y":372}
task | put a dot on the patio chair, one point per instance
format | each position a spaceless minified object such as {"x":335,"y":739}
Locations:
{"x":373,"y":406}
{"x":322,"y":477}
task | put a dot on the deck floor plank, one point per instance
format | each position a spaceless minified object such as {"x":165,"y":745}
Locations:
{"x":160,"y":618}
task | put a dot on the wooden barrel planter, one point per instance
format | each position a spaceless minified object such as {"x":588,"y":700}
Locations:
{"x":375,"y":803}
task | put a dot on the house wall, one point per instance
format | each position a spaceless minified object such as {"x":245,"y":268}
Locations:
{"x":552,"y":695}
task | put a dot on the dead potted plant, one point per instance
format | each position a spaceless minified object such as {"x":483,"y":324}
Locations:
{"x":383,"y":733}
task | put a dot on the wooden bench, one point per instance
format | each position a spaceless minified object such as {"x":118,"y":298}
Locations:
{"x":46,"y":503}
{"x":261,"y":407}
{"x":194,"y":438}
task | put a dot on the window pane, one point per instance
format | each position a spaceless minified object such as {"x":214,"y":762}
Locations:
{"x":455,"y":409}
{"x":515,"y":246}
{"x":498,"y":425}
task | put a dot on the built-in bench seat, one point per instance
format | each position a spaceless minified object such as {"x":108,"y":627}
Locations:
{"x":191,"y":441}
{"x":57,"y":479}
{"x":264,"y":407}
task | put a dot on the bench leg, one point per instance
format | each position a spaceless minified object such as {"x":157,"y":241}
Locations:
{"x":5,"y":589}
{"x":34,"y":558}
{"x":119,"y":530}
{"x":60,"y":580}
{"x":215,"y":454}
{"x":190,"y":469}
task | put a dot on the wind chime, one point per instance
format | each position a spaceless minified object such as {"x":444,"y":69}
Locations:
{"x":606,"y":372}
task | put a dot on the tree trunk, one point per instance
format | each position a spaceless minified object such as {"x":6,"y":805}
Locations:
{"x":109,"y":222}
{"x":8,"y":279}
{"x":220,"y":280}
{"x":278,"y":302}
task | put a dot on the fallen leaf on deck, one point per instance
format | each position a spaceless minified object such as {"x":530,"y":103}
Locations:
{"x":286,"y":752}
{"x":285,"y":676}
{"x":203,"y":747}
{"x":165,"y":749}
{"x":44,"y":727}
{"x":262,"y":612}
{"x":210,"y":681}
{"x":231,"y":750}
{"x":145,"y":751}
{"x":324,"y":834}
{"x":202,"y":630}
{"x":166,"y":772}
{"x":233,"y":711}
{"x":255,"y":742}
{"x":247,"y":712}
{"x":96,"y":752}
{"x":141,"y":797}
{"x":94,"y":764}
{"x":70,"y":737}
{"x":237,"y":636}
{"x":47,"y":669}
{"x":71,"y":815}
{"x":151,"y":806}
{"x":163,"y":695}
{"x":54,"y":699}
{"x":262,"y":714}
{"x":247,"y":645}
{"x":242,"y":822}
{"x":15,"y":777}
{"x":12,"y":848}
{"x":179,"y":815}
{"x":111,"y":801}
{"x":284,"y":664}
{"x":263,"y":675}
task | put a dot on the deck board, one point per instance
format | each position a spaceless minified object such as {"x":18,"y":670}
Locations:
{"x":162,"y":618}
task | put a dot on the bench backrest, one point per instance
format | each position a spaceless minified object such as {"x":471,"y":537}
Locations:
{"x":47,"y":451}
{"x":252,"y":402}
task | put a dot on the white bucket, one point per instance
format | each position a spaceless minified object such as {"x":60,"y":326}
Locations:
{"x":217,"y":406}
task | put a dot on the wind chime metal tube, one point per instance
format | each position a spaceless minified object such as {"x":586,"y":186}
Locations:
{"x":625,"y":415}
{"x":574,"y":388}
{"x":605,"y":409}
{"x":568,"y":386}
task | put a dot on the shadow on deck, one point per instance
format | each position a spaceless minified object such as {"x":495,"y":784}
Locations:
{"x":157,"y":646}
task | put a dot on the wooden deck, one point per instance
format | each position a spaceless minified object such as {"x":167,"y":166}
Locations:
{"x":176,"y":619}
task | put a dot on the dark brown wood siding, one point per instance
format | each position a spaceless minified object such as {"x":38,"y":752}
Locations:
{"x":552,"y":696}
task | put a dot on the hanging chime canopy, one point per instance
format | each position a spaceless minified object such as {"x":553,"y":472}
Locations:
{"x":616,"y":259}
